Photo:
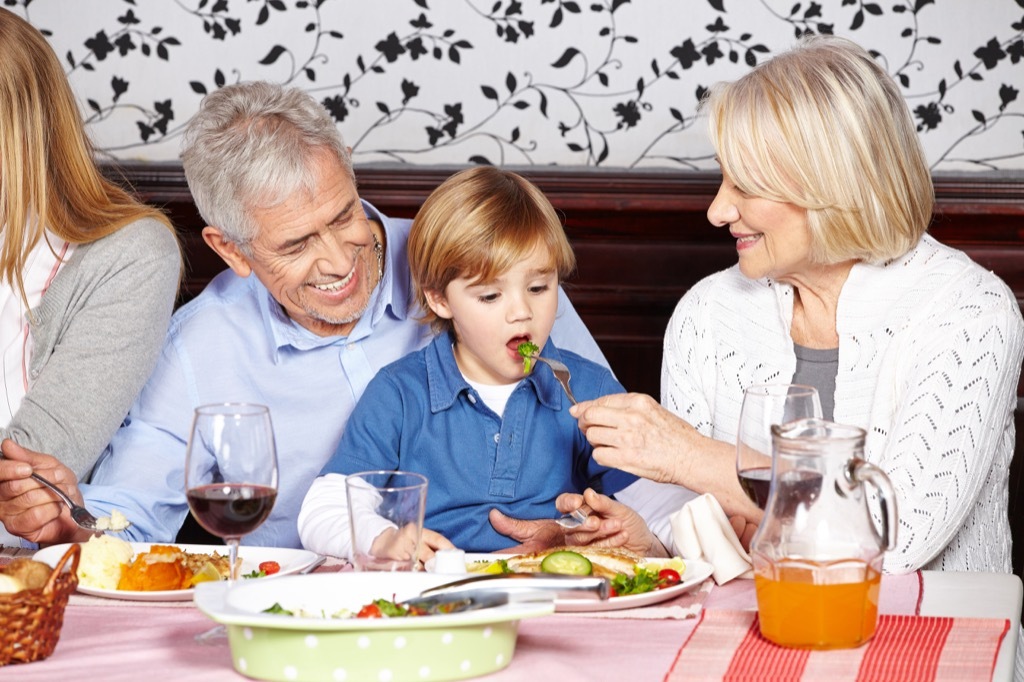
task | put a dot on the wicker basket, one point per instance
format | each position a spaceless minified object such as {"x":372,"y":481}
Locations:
{"x":30,"y":620}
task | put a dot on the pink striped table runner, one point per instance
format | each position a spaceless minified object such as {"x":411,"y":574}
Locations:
{"x":727,"y":645}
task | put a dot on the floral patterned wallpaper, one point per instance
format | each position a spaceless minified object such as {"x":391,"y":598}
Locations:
{"x":597,"y":83}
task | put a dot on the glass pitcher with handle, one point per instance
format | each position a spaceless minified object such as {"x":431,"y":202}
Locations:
{"x":817,"y":554}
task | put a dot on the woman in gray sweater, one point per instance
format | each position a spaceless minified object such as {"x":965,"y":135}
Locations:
{"x":88,"y":274}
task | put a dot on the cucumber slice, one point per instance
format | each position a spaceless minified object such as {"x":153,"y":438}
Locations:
{"x":566,"y":563}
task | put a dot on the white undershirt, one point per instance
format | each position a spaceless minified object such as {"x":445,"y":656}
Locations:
{"x":494,"y":397}
{"x":41,"y":267}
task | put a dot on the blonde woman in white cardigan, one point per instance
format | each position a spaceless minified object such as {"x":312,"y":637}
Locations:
{"x":827,"y":192}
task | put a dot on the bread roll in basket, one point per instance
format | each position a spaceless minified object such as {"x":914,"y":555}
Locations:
{"x":30,"y":620}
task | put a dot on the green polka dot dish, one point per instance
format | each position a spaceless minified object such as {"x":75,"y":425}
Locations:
{"x":302,"y":648}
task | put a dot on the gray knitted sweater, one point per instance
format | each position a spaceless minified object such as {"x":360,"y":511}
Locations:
{"x":97,"y":333}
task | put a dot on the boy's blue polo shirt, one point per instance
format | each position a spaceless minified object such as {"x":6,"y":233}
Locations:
{"x":419,"y":414}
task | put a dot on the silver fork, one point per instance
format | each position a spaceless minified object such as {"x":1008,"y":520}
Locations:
{"x":578,"y":517}
{"x":561,"y":373}
{"x":79,"y":514}
{"x":574,"y":519}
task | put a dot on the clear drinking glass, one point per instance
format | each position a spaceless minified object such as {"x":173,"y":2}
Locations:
{"x":380,"y":501}
{"x":231,"y":471}
{"x":763,"y":406}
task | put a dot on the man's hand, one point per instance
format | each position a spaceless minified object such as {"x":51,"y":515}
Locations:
{"x":617,"y":525}
{"x":610,"y":524}
{"x":27,"y":508}
{"x":533,"y":536}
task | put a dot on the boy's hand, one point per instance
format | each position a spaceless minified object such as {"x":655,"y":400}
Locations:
{"x":400,"y":543}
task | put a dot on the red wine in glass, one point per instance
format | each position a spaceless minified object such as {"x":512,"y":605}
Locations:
{"x":764,"y":405}
{"x":230,"y":477}
{"x":797,"y":487}
{"x":231,"y":509}
{"x":231,"y":471}
{"x":755,"y":483}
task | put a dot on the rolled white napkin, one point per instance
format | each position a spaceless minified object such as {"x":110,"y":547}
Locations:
{"x":701,"y":530}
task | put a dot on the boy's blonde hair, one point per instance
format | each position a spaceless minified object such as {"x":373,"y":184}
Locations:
{"x":825,"y":128}
{"x":476,"y":225}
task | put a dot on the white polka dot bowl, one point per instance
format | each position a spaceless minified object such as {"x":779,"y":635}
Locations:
{"x":305,"y":648}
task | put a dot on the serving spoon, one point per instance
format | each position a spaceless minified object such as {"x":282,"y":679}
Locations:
{"x":79,"y":514}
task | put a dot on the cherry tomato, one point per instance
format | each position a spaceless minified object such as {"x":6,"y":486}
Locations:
{"x":668,"y":577}
{"x":270,"y":567}
{"x":612,"y":592}
{"x":369,"y":611}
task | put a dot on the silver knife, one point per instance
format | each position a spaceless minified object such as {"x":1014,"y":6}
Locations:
{"x":525,"y":587}
{"x":466,"y":601}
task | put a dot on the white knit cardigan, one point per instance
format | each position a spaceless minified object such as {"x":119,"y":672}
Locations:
{"x":930,"y":349}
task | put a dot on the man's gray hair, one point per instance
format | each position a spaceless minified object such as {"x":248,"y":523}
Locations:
{"x":251,"y":146}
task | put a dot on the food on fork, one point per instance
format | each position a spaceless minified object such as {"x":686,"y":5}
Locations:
{"x":115,"y":522}
{"x":527,"y":349}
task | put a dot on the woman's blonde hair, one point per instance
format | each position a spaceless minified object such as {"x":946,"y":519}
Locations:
{"x":825,"y":128}
{"x":48,"y":178}
{"x":476,"y":225}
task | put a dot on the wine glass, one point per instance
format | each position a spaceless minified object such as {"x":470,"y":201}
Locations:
{"x":764,"y":405}
{"x":231,"y":472}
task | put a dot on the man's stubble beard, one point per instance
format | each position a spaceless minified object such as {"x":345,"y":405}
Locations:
{"x":351,"y":317}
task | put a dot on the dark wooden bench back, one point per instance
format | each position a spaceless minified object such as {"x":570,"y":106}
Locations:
{"x":642,"y":239}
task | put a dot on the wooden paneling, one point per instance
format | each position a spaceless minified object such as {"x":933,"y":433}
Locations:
{"x":641,"y":238}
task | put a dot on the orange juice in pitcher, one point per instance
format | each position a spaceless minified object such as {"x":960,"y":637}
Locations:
{"x":817,"y":554}
{"x":816,"y":605}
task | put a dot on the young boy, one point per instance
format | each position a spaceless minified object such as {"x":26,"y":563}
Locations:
{"x":487,"y":252}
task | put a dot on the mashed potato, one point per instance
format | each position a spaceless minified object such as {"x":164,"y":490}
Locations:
{"x":103,"y":558}
{"x":115,"y":522}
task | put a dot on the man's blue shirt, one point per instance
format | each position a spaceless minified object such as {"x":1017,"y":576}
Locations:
{"x":233,"y":343}
{"x":419,"y":414}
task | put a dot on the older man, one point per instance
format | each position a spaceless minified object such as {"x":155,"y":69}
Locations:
{"x":317,"y":299}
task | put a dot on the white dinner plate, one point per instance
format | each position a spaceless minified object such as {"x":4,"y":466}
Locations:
{"x":291,"y":560}
{"x":696,"y":572}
